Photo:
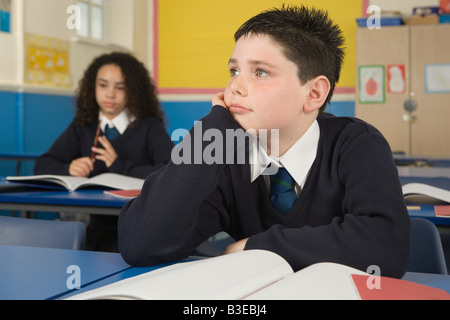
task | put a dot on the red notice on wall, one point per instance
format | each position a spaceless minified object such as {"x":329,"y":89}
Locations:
{"x":396,"y":78}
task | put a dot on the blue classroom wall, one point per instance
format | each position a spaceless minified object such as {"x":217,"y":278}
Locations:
{"x":47,"y":115}
{"x":29,"y":123}
{"x":342,"y":108}
{"x":8,"y":131}
{"x":182,"y":115}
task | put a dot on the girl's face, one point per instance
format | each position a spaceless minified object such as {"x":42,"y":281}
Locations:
{"x":110,"y":90}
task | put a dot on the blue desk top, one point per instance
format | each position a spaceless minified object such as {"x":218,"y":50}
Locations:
{"x":95,"y":198}
{"x":40,"y":273}
{"x":433,"y":162}
{"x":428,"y":212}
{"x":128,"y":273}
{"x":415,"y":172}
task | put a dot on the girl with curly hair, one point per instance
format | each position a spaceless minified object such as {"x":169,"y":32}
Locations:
{"x":116,"y":94}
{"x":116,"y":91}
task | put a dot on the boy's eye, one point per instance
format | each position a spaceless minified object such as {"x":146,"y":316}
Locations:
{"x":234,"y":72}
{"x":261,"y":73}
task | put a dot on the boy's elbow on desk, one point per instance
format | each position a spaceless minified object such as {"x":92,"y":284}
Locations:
{"x":141,"y":246}
{"x":139,"y":252}
{"x":145,"y":257}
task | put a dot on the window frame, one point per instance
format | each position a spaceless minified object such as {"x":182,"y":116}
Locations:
{"x":105,"y":15}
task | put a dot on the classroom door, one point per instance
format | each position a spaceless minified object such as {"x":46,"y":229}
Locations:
{"x":422,"y":51}
{"x":381,"y":48}
{"x":430,"y":81}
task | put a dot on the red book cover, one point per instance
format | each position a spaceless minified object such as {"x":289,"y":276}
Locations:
{"x":395,"y":289}
{"x":442,"y":211}
{"x":128,"y":194}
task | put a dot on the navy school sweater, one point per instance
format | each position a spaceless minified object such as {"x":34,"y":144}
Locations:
{"x":144,"y":147}
{"x":350,"y":211}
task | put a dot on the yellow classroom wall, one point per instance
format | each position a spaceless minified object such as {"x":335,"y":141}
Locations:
{"x":195,"y":39}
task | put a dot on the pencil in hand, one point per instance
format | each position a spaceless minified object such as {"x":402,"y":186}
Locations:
{"x":96,"y":138}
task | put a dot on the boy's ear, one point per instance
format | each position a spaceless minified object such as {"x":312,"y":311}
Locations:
{"x":319,"y":88}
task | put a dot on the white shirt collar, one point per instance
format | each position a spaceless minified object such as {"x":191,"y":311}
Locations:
{"x":298,"y":160}
{"x":121,"y":121}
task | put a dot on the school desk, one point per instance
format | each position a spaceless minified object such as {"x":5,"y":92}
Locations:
{"x":427,"y":211}
{"x":39,"y":273}
{"x":402,"y":160}
{"x":42,"y":274}
{"x":436,"y":177}
{"x":425,"y":172}
{"x":82,"y":201}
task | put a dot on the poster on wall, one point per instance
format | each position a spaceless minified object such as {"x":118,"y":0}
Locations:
{"x":371,"y":84}
{"x":396,"y":78}
{"x":47,"y":61}
{"x":437,"y":78}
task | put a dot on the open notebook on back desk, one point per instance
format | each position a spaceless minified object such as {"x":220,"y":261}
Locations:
{"x":105,"y":180}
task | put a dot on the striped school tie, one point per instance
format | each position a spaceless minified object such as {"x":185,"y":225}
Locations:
{"x":111,"y":133}
{"x":282,"y":191}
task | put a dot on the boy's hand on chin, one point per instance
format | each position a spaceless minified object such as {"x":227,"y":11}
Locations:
{"x":219,"y":100}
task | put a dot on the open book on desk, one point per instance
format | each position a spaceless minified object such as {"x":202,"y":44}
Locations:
{"x":248,"y":275}
{"x":106,"y":180}
{"x":421,"y":193}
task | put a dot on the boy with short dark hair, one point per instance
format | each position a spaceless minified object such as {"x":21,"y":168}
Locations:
{"x":336,"y":195}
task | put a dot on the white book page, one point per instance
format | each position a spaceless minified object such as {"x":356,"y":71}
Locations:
{"x":322,"y":281}
{"x":113,"y":180}
{"x":423,"y":193}
{"x":228,"y":277}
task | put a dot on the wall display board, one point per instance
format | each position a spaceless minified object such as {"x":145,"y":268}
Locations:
{"x":371,"y":84}
{"x":47,"y":61}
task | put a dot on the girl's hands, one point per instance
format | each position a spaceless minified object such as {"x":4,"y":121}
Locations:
{"x":81,"y":167}
{"x":108,"y":155}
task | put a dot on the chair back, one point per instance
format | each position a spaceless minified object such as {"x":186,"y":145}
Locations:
{"x":42,"y":233}
{"x":427,"y":255}
{"x":213,"y":248}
